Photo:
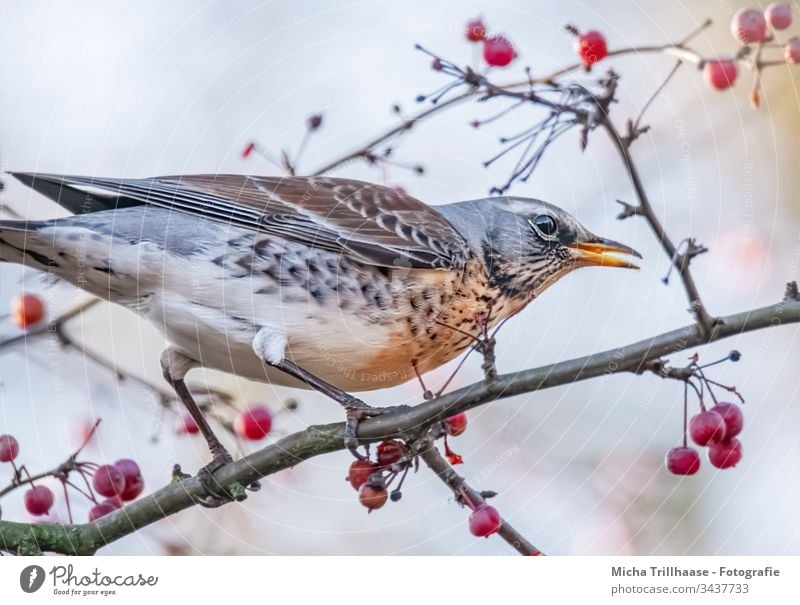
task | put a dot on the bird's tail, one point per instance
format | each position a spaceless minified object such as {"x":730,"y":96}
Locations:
{"x":19,"y":243}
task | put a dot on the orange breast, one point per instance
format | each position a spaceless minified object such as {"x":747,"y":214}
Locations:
{"x":440,"y":315}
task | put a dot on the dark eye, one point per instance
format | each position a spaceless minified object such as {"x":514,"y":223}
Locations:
{"x":545,"y":225}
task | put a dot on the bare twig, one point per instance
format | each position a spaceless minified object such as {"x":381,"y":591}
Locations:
{"x":436,"y":462}
{"x":645,"y":209}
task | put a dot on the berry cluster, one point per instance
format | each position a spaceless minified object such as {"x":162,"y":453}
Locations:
{"x":716,"y":428}
{"x":752,"y":26}
{"x":498,"y":51}
{"x":393,"y":460}
{"x":372,"y":478}
{"x":118,"y":483}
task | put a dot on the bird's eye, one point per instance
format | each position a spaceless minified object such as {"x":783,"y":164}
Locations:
{"x":545,"y":225}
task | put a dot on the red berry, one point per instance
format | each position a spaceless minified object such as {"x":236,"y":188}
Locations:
{"x":484,"y":521}
{"x":720,"y":72}
{"x":456,"y":424}
{"x":248,"y":150}
{"x":725,"y":454}
{"x":683,"y":461}
{"x":749,"y":26}
{"x":475,"y":30}
{"x":108,"y":481}
{"x":188,"y":425}
{"x":390,"y":451}
{"x":114,"y":501}
{"x":591,"y":47}
{"x":733,"y":417}
{"x":38,"y":500}
{"x":27,"y":310}
{"x":707,"y":427}
{"x":9,"y":448}
{"x":779,"y":16}
{"x":498,"y":51}
{"x":134,"y":483}
{"x":101,"y":510}
{"x":360,"y":471}
{"x":792,"y":50}
{"x":254,"y":424}
{"x":372,"y":497}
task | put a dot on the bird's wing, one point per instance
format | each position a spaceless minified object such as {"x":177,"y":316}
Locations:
{"x":369,"y":223}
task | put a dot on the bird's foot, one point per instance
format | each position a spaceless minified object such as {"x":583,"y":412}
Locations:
{"x":357,"y":411}
{"x":215,"y":494}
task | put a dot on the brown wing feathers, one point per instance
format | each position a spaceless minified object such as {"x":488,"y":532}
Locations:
{"x":371,"y":223}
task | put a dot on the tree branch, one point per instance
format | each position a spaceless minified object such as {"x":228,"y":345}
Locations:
{"x":431,"y":456}
{"x":408,"y":424}
{"x":645,"y":209}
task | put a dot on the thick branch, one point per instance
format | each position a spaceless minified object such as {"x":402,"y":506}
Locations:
{"x":315,"y":440}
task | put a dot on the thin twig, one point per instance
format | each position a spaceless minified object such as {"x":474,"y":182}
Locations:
{"x":436,"y":462}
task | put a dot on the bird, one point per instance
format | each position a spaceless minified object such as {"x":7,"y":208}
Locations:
{"x":327,"y":283}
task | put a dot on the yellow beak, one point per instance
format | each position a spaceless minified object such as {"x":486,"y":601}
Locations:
{"x":599,"y":253}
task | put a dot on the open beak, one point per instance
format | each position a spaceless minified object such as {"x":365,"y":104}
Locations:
{"x":600,"y":253}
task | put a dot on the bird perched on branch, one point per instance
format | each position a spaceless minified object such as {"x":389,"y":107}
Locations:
{"x":333,"y":284}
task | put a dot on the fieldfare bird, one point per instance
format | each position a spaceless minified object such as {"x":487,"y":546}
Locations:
{"x":325,"y":283}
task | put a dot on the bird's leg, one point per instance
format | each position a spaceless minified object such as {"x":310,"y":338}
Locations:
{"x":175,"y":365}
{"x":270,"y":346}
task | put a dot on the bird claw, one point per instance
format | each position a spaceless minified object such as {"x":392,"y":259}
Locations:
{"x":355,"y":414}
{"x":216,"y":494}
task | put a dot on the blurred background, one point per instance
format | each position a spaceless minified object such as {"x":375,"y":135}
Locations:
{"x":133,"y":89}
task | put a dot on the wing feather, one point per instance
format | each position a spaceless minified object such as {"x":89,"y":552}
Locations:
{"x":370,"y":223}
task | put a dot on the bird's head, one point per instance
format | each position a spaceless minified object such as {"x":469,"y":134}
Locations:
{"x":528,"y":244}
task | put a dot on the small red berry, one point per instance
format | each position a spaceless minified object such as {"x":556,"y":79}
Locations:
{"x":779,"y":16}
{"x":38,"y":500}
{"x":390,"y":451}
{"x":591,"y":47}
{"x":498,"y":51}
{"x":27,"y":310}
{"x":707,"y":427}
{"x":360,"y":471}
{"x":188,"y":425}
{"x":101,"y":510}
{"x":733,"y":417}
{"x":9,"y":448}
{"x":115,"y":501}
{"x":372,"y":497}
{"x":108,"y":481}
{"x":725,"y":454}
{"x":720,"y":73}
{"x":749,"y":26}
{"x":475,"y":30}
{"x":792,"y":50}
{"x":255,"y":423}
{"x":484,"y":521}
{"x":683,"y":461}
{"x":456,"y":424}
{"x":134,"y":483}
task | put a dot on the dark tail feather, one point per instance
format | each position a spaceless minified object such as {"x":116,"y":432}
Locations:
{"x":76,"y":201}
{"x":15,"y":246}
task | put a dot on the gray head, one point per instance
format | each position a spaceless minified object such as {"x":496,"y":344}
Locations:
{"x":528,"y":244}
